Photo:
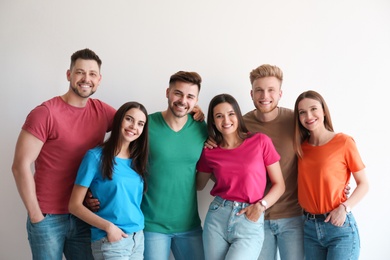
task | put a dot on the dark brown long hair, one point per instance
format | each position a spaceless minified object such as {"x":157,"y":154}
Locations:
{"x":212,"y":129}
{"x":138,"y":148}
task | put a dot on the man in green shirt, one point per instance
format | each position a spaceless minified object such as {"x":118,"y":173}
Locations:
{"x":170,"y":204}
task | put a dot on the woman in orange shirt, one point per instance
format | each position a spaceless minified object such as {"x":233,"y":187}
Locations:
{"x":326,"y":161}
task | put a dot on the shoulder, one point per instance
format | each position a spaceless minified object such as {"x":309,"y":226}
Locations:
{"x":155,"y":117}
{"x":286,"y":113}
{"x":249,"y":115}
{"x":95,"y":152}
{"x":101,"y":104}
{"x":259,"y":136}
{"x":286,"y":110}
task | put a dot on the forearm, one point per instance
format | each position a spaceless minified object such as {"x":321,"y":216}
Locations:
{"x":274,"y":194}
{"x":357,"y":195}
{"x":26,"y":187}
{"x":201,"y":180}
{"x":89,"y":217}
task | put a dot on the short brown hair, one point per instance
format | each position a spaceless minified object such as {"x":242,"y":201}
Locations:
{"x":85,"y":54}
{"x":266,"y":70}
{"x":187,"y":77}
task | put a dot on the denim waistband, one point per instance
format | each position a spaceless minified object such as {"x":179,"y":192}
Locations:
{"x":231,"y":203}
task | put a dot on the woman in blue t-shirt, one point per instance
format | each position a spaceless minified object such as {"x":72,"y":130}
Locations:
{"x":115,"y":173}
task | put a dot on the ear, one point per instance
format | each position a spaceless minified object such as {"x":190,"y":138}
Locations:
{"x":167,"y":93}
{"x":100,"y":78}
{"x":68,"y":75}
{"x":251,"y":93}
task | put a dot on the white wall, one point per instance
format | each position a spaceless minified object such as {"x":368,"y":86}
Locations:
{"x":339,"y":48}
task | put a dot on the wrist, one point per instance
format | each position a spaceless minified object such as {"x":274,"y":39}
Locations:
{"x":264,"y":204}
{"x":346,"y":207}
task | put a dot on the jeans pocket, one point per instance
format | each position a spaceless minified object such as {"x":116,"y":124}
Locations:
{"x":35,"y":224}
{"x":214,"y":206}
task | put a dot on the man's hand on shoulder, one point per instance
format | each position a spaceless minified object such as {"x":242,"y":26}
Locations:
{"x":197,"y":114}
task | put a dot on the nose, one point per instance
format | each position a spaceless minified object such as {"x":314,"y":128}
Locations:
{"x":226,"y":119}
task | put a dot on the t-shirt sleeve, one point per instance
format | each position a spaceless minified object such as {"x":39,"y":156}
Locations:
{"x":202,"y":165}
{"x":271,"y":156}
{"x":88,"y":169}
{"x":352,"y":156}
{"x":38,"y":123}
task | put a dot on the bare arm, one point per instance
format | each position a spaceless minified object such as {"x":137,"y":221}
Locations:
{"x":254,"y":211}
{"x":27,"y":150}
{"x":77,"y":208}
{"x":278,"y":186}
{"x":201,"y":180}
{"x":338,"y":215}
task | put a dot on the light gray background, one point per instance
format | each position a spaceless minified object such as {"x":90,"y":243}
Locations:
{"x":339,"y":48}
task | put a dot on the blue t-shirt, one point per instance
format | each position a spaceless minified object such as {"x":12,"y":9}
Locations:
{"x":120,"y":198}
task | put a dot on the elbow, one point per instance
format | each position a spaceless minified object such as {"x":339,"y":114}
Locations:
{"x":199,"y":186}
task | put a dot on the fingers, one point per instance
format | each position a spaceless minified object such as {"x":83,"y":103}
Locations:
{"x":241,"y":212}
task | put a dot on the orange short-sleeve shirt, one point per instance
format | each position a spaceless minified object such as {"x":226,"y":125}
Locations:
{"x":324,"y":171}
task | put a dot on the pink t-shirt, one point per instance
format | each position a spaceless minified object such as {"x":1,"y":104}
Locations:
{"x":67,"y":132}
{"x":240,"y":173}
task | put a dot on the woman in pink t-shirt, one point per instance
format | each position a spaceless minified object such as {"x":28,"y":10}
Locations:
{"x":325,"y":162}
{"x":240,"y":165}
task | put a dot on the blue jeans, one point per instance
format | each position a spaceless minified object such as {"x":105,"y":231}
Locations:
{"x":324,"y":241}
{"x":285,"y":234}
{"x":131,"y":247}
{"x":59,"y":234}
{"x":184,"y":245}
{"x":228,"y":236}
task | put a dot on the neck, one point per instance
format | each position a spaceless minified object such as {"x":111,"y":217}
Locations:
{"x":320,"y":138}
{"x":174,"y":122}
{"x":124,"y":152}
{"x":72,"y":99}
{"x":231,"y":141}
{"x":266,"y":117}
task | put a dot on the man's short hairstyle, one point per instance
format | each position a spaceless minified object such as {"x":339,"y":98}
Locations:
{"x":266,"y":70}
{"x":187,"y":77}
{"x":85,"y":54}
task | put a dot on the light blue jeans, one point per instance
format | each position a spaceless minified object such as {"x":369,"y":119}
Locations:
{"x":285,"y":234}
{"x":184,"y":245}
{"x":324,"y":241}
{"x":231,"y":237}
{"x":59,"y":234}
{"x":131,"y":247}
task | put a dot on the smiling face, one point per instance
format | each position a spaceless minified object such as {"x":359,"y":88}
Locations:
{"x":311,"y":114}
{"x":132,"y":125}
{"x":84,"y":77}
{"x":225,"y":119}
{"x":266,"y":94}
{"x":182,"y":97}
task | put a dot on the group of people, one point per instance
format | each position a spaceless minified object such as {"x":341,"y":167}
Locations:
{"x":134,"y":195}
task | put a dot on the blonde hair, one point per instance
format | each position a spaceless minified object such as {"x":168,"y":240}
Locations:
{"x":266,"y":70}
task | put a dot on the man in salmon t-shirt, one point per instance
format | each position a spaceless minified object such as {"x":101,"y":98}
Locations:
{"x":55,"y":137}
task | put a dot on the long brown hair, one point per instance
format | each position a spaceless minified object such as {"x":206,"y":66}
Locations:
{"x":138,"y":148}
{"x":212,"y":129}
{"x":300,"y":132}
